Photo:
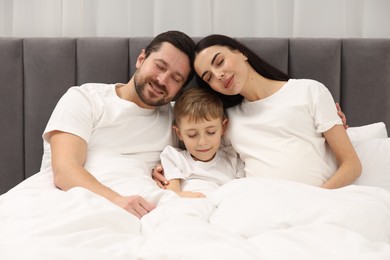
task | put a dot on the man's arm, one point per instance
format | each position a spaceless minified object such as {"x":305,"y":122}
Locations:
{"x":69,"y":153}
{"x":158,"y":176}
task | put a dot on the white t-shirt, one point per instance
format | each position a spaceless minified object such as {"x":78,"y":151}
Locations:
{"x":201,"y":176}
{"x":110,"y":124}
{"x":281,"y":136}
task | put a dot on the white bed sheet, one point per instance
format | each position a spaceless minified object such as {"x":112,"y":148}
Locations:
{"x":250,"y":218}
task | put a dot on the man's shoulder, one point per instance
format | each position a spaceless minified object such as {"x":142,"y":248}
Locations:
{"x":95,"y":87}
{"x":91,"y":91}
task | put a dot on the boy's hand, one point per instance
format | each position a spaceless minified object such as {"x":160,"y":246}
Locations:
{"x":191,"y":194}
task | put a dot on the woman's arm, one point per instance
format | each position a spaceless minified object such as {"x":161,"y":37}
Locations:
{"x":349,"y":166}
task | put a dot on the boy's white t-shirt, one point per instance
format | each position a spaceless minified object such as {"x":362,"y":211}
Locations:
{"x":201,"y":176}
{"x":108,"y":123}
{"x":281,"y":136}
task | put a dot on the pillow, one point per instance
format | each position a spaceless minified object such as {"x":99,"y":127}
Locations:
{"x":374,"y":155}
{"x":365,"y":132}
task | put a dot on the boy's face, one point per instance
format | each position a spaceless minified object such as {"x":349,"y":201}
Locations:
{"x":203,"y":138}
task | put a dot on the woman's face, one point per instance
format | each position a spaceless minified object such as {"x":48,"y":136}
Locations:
{"x":225,"y":70}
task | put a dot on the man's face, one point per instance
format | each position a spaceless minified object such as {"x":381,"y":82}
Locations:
{"x":160,"y":76}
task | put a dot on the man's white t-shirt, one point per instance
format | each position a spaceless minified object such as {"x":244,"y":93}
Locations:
{"x":201,"y":176}
{"x":281,"y":136}
{"x":110,"y":124}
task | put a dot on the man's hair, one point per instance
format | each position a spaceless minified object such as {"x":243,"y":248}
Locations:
{"x":178,"y":39}
{"x":199,"y":104}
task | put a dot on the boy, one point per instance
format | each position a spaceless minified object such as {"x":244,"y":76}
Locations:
{"x":200,"y":123}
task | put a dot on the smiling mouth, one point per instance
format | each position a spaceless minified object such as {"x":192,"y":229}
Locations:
{"x":156,"y":88}
{"x":228,"y":81}
{"x":204,"y":150}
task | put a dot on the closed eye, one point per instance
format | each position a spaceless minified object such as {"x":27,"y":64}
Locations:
{"x":207,"y":76}
{"x":177,"y":78}
{"x":160,"y":67}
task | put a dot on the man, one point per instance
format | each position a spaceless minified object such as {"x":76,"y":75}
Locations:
{"x":122,"y":118}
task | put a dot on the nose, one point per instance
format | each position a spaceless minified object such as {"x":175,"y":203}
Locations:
{"x":202,"y":140}
{"x":162,"y":78}
{"x":219,"y":74}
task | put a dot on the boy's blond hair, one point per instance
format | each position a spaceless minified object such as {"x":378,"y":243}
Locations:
{"x":199,"y":104}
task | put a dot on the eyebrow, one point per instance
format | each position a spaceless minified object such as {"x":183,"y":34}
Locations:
{"x":215,"y":56}
{"x":212,"y":62}
{"x":195,"y":129}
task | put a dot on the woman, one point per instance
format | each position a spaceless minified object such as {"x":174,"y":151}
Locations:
{"x":282,"y":128}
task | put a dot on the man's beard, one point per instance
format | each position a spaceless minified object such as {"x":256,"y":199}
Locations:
{"x":140,"y":87}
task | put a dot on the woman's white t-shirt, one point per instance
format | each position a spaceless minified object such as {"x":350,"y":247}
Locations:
{"x":281,"y":136}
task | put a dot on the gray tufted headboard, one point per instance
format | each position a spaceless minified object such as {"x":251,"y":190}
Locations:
{"x":36,"y":72}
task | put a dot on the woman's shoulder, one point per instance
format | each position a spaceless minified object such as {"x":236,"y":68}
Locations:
{"x":306,"y":83}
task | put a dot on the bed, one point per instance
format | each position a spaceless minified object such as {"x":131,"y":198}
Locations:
{"x":250,"y":218}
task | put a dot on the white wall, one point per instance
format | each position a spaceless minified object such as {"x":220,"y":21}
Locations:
{"x":265,"y":18}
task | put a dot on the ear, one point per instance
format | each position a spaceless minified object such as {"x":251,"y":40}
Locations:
{"x":141,"y":58}
{"x":224,"y":125}
{"x":177,"y":131}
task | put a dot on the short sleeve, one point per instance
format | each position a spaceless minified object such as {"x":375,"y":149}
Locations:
{"x":235,"y":160}
{"x":72,"y":114}
{"x":173,"y":163}
{"x":325,"y":112}
{"x":240,"y":168}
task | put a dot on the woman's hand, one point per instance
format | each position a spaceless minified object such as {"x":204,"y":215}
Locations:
{"x":158,"y":176}
{"x":342,"y":116}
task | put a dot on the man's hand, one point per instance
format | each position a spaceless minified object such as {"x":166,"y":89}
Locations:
{"x":342,"y":116}
{"x":158,"y":176}
{"x":136,"y":205}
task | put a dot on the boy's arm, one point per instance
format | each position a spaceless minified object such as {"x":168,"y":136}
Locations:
{"x":174,"y":185}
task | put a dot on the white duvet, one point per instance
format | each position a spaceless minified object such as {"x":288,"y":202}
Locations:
{"x":252,"y":218}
